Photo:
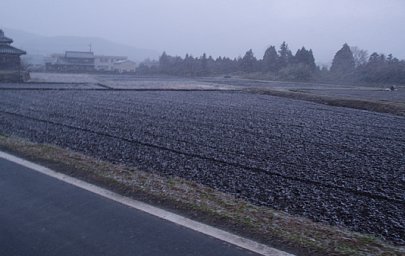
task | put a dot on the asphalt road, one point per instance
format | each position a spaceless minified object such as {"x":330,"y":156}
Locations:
{"x":40,"y":215}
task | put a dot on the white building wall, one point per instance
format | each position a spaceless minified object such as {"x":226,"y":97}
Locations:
{"x":106,"y":63}
{"x":125,"y":66}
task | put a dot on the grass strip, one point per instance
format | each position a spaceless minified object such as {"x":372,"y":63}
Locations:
{"x":381,"y":107}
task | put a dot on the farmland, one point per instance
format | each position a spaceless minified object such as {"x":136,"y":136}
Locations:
{"x":335,"y":165}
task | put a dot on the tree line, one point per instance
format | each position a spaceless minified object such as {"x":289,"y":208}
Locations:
{"x":350,"y":64}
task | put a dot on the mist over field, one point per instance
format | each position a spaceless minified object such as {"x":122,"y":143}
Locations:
{"x":219,"y":28}
{"x":280,"y":121}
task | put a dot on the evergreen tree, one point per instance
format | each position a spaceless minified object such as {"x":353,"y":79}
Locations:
{"x":311,"y":60}
{"x":270,"y":60}
{"x":189,"y":66}
{"x":305,"y":57}
{"x":377,"y":69}
{"x":348,"y":65}
{"x":203,"y":65}
{"x":248,"y":62}
{"x":164,"y":63}
{"x":285,"y":56}
{"x":343,"y":62}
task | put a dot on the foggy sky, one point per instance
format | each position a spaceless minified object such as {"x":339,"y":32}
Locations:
{"x":219,"y":27}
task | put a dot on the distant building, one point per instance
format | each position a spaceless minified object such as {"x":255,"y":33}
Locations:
{"x":84,"y":62}
{"x":10,"y":61}
{"x":72,"y":61}
{"x":124,"y":66}
{"x":106,"y":63}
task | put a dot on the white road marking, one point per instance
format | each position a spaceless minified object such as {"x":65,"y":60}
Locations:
{"x":174,"y":218}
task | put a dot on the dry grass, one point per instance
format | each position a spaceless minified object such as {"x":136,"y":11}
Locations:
{"x":382,"y":107}
{"x":298,"y":235}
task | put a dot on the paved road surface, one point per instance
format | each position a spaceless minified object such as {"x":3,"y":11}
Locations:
{"x":40,"y":215}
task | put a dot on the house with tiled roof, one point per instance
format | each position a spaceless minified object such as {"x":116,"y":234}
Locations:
{"x":10,"y":61}
{"x":72,"y":61}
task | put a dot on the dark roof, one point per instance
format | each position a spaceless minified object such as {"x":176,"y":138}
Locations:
{"x":7,"y":49}
{"x":3,"y":39}
{"x":84,"y":55}
{"x":63,"y":61}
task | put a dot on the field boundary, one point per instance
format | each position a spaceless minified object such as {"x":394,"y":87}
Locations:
{"x":375,"y":106}
{"x":108,"y":89}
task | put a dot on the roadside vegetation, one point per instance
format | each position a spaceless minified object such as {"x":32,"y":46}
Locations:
{"x":295,"y":234}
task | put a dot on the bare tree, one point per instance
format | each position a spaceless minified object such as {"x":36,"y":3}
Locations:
{"x":360,"y":56}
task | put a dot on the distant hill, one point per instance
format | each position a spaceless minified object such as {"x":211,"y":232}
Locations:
{"x":37,"y":45}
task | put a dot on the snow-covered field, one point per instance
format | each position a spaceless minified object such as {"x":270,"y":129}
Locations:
{"x":128,"y":81}
{"x":378,"y":93}
{"x":336,"y":165}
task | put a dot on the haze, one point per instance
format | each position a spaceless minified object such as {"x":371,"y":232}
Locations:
{"x":220,"y":27}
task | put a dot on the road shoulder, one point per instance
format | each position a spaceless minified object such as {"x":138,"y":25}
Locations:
{"x":203,"y":204}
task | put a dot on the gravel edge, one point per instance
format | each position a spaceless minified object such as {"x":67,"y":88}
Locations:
{"x":277,"y":229}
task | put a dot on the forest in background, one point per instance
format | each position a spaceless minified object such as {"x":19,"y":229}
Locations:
{"x":350,"y":64}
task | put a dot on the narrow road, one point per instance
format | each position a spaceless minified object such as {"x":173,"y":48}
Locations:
{"x":40,"y":215}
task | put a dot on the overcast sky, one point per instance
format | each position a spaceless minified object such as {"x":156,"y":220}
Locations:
{"x":219,"y":27}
